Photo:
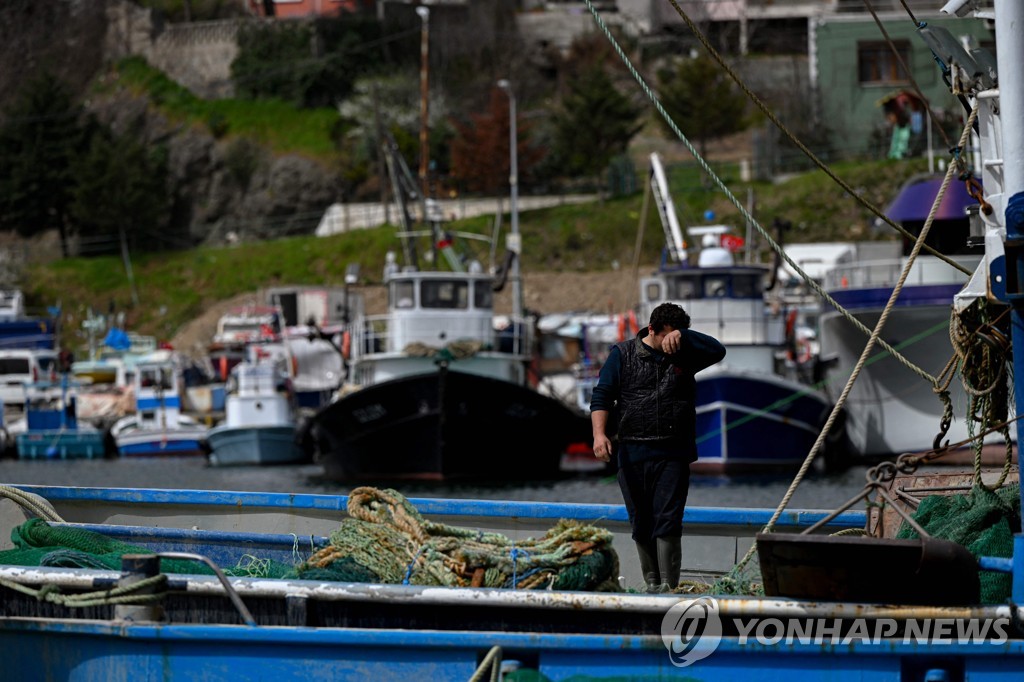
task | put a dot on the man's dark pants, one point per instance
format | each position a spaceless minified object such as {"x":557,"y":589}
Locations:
{"x":654,"y":491}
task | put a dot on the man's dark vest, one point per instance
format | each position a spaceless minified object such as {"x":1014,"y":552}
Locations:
{"x":656,"y":399}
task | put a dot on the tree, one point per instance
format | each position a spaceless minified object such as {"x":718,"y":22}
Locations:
{"x":310,"y":64}
{"x":480,"y":151}
{"x":702,"y":101}
{"x":122,"y":192}
{"x":593,"y":123}
{"x":38,"y":144}
{"x":65,"y":39}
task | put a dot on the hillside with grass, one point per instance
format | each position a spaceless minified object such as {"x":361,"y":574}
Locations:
{"x":587,"y":241}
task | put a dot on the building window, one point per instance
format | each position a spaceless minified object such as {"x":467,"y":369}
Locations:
{"x":877,"y":65}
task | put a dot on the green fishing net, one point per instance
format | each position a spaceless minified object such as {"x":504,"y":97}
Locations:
{"x":385,"y":540}
{"x":37,"y":543}
{"x":983,"y":521}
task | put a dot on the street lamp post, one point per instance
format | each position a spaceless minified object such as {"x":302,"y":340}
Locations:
{"x":514,"y":242}
{"x":424,"y":13}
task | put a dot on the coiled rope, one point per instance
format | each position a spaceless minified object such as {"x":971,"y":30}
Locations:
{"x":31,"y":502}
{"x":388,"y":537}
{"x":982,"y":355}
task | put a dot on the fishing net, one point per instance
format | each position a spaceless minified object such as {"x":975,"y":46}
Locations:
{"x":37,"y":543}
{"x":982,"y":521}
{"x":386,"y":540}
{"x":387,"y":537}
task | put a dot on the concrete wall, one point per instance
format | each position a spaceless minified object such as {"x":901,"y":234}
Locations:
{"x":197,"y":55}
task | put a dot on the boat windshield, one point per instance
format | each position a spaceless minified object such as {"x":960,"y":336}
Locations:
{"x":483,"y":296}
{"x":155,"y":378}
{"x":683,"y":288}
{"x":449,"y":294}
{"x":403,"y":295}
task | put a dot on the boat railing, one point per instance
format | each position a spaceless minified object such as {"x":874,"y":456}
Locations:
{"x":386,"y":334}
{"x":738,"y":325}
{"x":258,"y":380}
{"x":886,"y":273}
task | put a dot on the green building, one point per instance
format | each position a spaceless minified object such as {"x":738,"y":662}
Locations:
{"x":859,"y":80}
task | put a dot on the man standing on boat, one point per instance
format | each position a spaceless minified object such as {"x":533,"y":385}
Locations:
{"x":649,"y":382}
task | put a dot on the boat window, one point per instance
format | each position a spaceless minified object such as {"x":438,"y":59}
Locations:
{"x":444,"y":294}
{"x":403,"y":294}
{"x":155,"y":378}
{"x":683,"y":288}
{"x":654,"y":292}
{"x":716,"y":287}
{"x":483,"y":296}
{"x":745,"y":286}
{"x":14,"y":366}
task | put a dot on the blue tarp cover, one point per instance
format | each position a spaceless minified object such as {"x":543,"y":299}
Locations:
{"x":117,"y":339}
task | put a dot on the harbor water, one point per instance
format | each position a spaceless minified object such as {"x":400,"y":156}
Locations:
{"x":817,"y":491}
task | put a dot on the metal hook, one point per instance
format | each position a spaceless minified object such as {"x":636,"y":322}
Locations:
{"x":975,"y":191}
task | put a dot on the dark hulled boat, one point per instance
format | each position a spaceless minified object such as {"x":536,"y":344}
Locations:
{"x":440,"y":394}
{"x":445,"y":424}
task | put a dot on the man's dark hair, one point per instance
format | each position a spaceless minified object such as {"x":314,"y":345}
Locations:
{"x":669,"y":314}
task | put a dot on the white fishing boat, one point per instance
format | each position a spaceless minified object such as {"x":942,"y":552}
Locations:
{"x":891,"y":409}
{"x":158,"y":426}
{"x":260,"y":423}
{"x":435,"y":391}
{"x":742,"y":402}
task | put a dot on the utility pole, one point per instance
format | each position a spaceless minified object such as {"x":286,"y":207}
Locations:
{"x":514,"y":240}
{"x":424,"y":13}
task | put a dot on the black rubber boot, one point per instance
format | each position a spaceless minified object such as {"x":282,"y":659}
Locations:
{"x":648,"y":553}
{"x":670,"y":555}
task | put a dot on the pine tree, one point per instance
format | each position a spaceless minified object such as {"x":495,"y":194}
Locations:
{"x":40,"y":138}
{"x":593,"y":123}
{"x":122,"y":193}
{"x":702,"y":101}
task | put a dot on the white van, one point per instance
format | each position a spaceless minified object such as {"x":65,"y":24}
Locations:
{"x":20,"y":366}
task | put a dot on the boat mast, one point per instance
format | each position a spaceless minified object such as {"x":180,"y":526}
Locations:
{"x":667,"y":210}
{"x":406,"y":191}
{"x":1010,"y":60}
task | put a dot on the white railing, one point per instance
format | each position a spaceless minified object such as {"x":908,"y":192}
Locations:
{"x":375,"y":336}
{"x":885,"y":273}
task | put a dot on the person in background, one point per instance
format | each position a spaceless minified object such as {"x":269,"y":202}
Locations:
{"x":648,"y":383}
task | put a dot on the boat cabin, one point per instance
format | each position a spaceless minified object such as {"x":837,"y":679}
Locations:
{"x":247,"y":325}
{"x":157,"y":397}
{"x":727,"y":302}
{"x":433,"y":309}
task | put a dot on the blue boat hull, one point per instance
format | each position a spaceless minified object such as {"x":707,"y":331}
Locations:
{"x":110,"y":652}
{"x":357,"y":632}
{"x":60,"y":445}
{"x":158,"y":447}
{"x":747,"y":421}
{"x":254,"y":445}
